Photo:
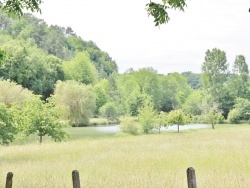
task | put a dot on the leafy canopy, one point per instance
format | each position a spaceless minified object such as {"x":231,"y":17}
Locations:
{"x":7,"y":128}
{"x":159,"y":10}
{"x":41,"y":118}
{"x":16,"y":7}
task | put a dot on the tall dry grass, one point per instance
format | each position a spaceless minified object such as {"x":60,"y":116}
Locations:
{"x":221,"y":158}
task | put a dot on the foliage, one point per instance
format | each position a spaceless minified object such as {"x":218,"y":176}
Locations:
{"x":77,"y":99}
{"x":17,"y":7}
{"x":193,"y":79}
{"x":175,"y":91}
{"x":80,"y":69}
{"x":213,"y":117}
{"x":176,"y":117}
{"x":129,"y":125}
{"x":149,"y":83}
{"x":100,"y":95}
{"x":233,"y":116}
{"x":146,"y":116}
{"x":7,"y":126}
{"x":109,"y":110}
{"x":159,"y":10}
{"x":11,"y":92}
{"x":239,"y":78}
{"x":28,"y":66}
{"x":161,"y":120}
{"x":192,"y":104}
{"x":3,"y":56}
{"x":214,"y":79}
{"x":41,"y":118}
{"x":243,"y":108}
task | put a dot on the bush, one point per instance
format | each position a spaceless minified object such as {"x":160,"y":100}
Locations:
{"x":197,"y":119}
{"x":98,"y":121}
{"x":233,"y":116}
{"x":109,"y":110}
{"x":129,"y":125}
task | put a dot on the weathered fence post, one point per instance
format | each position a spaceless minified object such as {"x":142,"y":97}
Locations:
{"x":191,"y":177}
{"x":76,"y":179}
{"x":9,"y":180}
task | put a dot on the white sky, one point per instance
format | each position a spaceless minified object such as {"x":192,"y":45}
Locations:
{"x":123,"y":29}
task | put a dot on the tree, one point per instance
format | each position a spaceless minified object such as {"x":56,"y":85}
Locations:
{"x":30,"y":67}
{"x":129,"y":125}
{"x":176,"y":117}
{"x":100,"y":95}
{"x":159,"y":10}
{"x":7,"y":126}
{"x":233,"y":116}
{"x":149,"y":83}
{"x":77,"y":99}
{"x":193,"y":79}
{"x":17,"y":7}
{"x":35,"y":116}
{"x":80,"y":69}
{"x":243,"y":108}
{"x":162,"y":120}
{"x":11,"y":93}
{"x":214,"y":78}
{"x":192,"y":105}
{"x":109,"y":110}
{"x":213,"y":117}
{"x":147,"y":116}
{"x":239,"y":78}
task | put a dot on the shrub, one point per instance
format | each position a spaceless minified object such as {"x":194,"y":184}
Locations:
{"x":109,"y":110}
{"x":129,"y":125}
{"x":233,"y":116}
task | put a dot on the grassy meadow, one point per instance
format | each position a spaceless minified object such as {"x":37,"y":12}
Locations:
{"x":221,"y":158}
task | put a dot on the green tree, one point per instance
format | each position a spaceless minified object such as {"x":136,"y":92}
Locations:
{"x":100,"y":95}
{"x":243,"y":108}
{"x":193,"y":79}
{"x":109,"y":110}
{"x":41,"y":118}
{"x":149,"y":83}
{"x":159,"y":10}
{"x":176,"y":117}
{"x":162,"y":120}
{"x":214,"y":79}
{"x":7,"y":126}
{"x":175,"y":91}
{"x":233,"y":116}
{"x":77,"y":99}
{"x":239,"y":78}
{"x":81,"y":69}
{"x":213,"y":117}
{"x":11,"y":93}
{"x":17,"y":7}
{"x":28,"y":66}
{"x":193,"y":103}
{"x":129,"y":125}
{"x":147,"y":116}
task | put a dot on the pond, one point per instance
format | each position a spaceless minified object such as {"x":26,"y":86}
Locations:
{"x":115,"y":128}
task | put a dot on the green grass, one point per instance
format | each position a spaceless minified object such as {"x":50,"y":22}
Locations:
{"x":220,"y":158}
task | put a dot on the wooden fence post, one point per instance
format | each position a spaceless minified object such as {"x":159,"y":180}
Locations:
{"x":9,"y":180}
{"x":191,"y":177}
{"x":76,"y":179}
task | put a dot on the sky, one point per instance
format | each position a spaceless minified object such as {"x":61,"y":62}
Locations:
{"x":123,"y":29}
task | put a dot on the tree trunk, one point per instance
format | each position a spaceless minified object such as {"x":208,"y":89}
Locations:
{"x":159,"y":130}
{"x":178,"y":128}
{"x":212,"y":125}
{"x":41,"y":139}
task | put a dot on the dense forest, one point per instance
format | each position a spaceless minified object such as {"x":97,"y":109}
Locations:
{"x":50,"y":74}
